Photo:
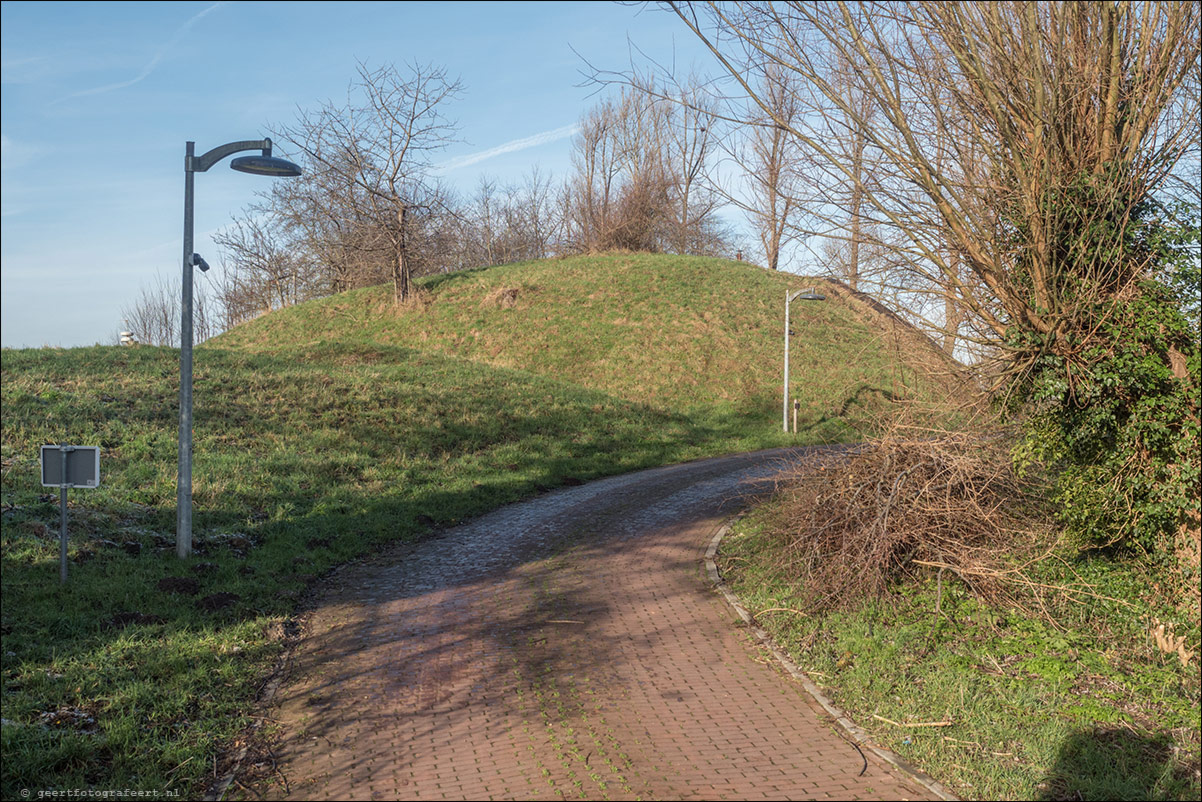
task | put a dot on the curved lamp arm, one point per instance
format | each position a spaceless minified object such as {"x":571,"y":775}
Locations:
{"x":199,"y":164}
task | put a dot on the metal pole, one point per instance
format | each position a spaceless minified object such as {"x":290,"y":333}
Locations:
{"x":183,"y":490}
{"x":785,"y":409}
{"x":62,"y":524}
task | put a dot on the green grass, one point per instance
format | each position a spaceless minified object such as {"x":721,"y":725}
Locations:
{"x":304,"y":459}
{"x":325,"y":431}
{"x":1088,"y":711}
{"x":677,"y":333}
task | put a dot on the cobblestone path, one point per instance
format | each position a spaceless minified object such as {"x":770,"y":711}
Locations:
{"x":565,"y":647}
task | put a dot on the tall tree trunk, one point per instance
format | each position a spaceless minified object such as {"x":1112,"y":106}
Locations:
{"x":400,"y":275}
{"x":857,"y":207}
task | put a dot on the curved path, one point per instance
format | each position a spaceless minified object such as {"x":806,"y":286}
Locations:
{"x":568,"y":646}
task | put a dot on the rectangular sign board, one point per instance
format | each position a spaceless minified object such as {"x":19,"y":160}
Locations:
{"x":83,"y":466}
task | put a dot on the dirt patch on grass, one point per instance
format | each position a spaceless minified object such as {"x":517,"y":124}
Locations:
{"x":179,"y":584}
{"x":124,"y":619}
{"x":505,"y":297}
{"x":218,"y":601}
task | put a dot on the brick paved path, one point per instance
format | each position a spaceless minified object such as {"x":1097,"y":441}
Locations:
{"x":569,"y":646}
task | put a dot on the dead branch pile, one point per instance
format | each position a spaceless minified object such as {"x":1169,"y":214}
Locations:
{"x":854,"y":528}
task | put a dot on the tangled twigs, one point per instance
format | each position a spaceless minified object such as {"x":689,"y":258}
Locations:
{"x":900,"y":504}
{"x":1017,"y":576}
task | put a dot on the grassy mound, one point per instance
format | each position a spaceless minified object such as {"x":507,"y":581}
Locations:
{"x":676,"y":333}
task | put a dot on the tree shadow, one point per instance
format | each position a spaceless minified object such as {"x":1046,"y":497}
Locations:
{"x":435,"y":630}
{"x":859,"y":411}
{"x":1111,"y":762}
{"x":433,"y":282}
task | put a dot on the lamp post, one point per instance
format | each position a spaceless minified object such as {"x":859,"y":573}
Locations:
{"x":790,"y":297}
{"x":264,"y":164}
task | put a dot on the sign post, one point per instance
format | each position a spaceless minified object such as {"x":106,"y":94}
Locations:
{"x":66,"y":466}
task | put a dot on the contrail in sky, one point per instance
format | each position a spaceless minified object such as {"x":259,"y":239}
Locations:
{"x":154,"y":62}
{"x":509,"y":147}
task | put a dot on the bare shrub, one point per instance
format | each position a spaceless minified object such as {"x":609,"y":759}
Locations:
{"x":904,"y":503}
{"x":640,"y":177}
{"x":154,"y":317}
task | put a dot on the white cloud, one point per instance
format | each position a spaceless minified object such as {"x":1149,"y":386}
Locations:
{"x":154,"y":62}
{"x":509,"y":147}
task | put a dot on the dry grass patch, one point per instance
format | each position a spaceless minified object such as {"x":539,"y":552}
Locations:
{"x":505,"y":297}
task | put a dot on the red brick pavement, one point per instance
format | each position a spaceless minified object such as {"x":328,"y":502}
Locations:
{"x":569,"y":647}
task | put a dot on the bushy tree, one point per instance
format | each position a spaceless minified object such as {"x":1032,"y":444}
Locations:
{"x":1115,"y":412}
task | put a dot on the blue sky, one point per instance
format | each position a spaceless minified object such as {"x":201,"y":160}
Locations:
{"x":99,"y":98}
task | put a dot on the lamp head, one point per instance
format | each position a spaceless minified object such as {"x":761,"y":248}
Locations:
{"x":807,"y":295}
{"x":265,"y":165}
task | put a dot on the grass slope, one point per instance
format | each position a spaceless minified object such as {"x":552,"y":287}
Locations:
{"x":677,"y":333}
{"x":329,"y":429}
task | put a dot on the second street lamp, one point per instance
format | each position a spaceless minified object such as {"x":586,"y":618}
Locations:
{"x":790,"y":297}
{"x":265,"y":164}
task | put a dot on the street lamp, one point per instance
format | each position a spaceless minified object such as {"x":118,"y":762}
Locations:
{"x":790,"y":297}
{"x":266,"y":164}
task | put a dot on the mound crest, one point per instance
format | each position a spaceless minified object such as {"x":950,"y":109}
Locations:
{"x":673,"y":332}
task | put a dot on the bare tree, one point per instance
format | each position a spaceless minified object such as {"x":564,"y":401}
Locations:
{"x":993,"y":123}
{"x":689,"y":142}
{"x":640,"y":179}
{"x":531,"y":210}
{"x":525,"y":219}
{"x":488,"y":218}
{"x":153,"y":316}
{"x":261,"y":270}
{"x":370,"y":159}
{"x":769,"y":163}
{"x":611,"y":200}
{"x":501,"y":224}
{"x":849,"y":138}
{"x":333,"y":240}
